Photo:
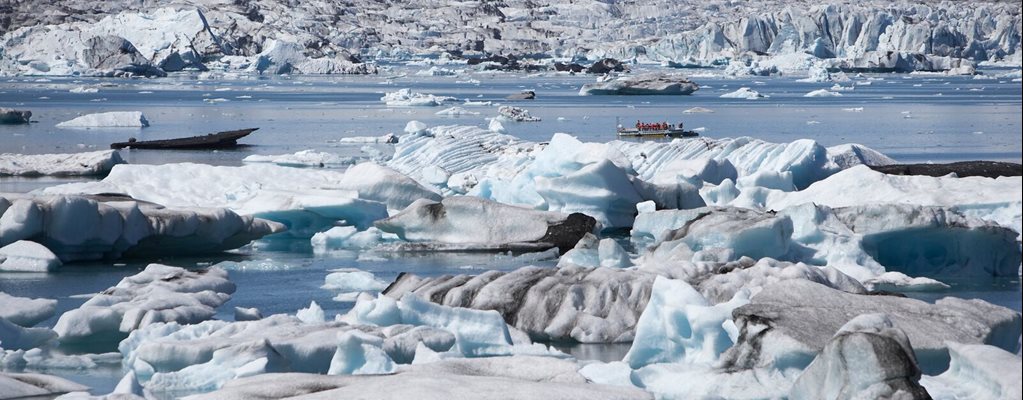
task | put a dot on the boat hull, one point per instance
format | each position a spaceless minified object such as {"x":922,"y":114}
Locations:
{"x":219,"y":140}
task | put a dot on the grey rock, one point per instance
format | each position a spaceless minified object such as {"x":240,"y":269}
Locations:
{"x":10,"y":116}
{"x":116,"y":56}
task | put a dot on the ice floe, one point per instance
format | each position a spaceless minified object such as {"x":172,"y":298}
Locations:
{"x":25,"y":311}
{"x":92,"y":227}
{"x":112,"y":119}
{"x":743,"y":93}
{"x":30,"y":385}
{"x":26,"y":256}
{"x":589,"y":305}
{"x":644,"y":84}
{"x":791,"y":321}
{"x":158,"y":294}
{"x":408,"y":98}
{"x":517,"y":114}
{"x":517,"y":377}
{"x":473,"y":223}
{"x":305,"y":200}
{"x":74,"y":164}
{"x":304,"y":158}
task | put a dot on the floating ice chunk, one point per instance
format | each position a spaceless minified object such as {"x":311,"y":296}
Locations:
{"x":850,"y":155}
{"x":380,"y":183}
{"x":353,"y":280}
{"x":589,"y":305}
{"x":360,"y":354}
{"x":202,"y":357}
{"x":348,"y":238}
{"x":644,"y":84}
{"x":510,"y":113}
{"x":492,"y":378}
{"x":822,"y":93}
{"x":415,"y":128}
{"x":869,"y":357}
{"x":496,"y":126}
{"x":159,"y":293}
{"x":743,"y":93}
{"x":990,"y":199}
{"x":853,"y":109}
{"x":16,"y":337}
{"x":26,"y":256}
{"x":678,"y":325}
{"x":698,"y":110}
{"x":94,"y":227}
{"x":977,"y":372}
{"x":113,"y":119}
{"x":437,"y":71}
{"x":19,"y":386}
{"x":247,"y":314}
{"x":478,"y":223}
{"x":897,"y":281}
{"x":455,"y":111}
{"x":304,"y":158}
{"x":408,"y":98}
{"x":305,"y":200}
{"x":76,"y":164}
{"x":793,"y":320}
{"x":25,"y":311}
{"x":584,"y":254}
{"x":83,"y":89}
{"x":389,"y":138}
{"x":312,"y":314}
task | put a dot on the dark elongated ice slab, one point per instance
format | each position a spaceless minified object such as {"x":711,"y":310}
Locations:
{"x":789,"y":322}
{"x":472,"y":223}
{"x":79,"y":227}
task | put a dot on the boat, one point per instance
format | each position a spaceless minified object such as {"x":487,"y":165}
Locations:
{"x":219,"y":140}
{"x":670,"y":131}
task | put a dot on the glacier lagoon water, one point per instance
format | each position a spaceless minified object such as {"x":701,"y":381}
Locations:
{"x":912,"y":118}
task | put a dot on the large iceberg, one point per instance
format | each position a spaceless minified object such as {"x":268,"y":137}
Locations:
{"x":112,"y":119}
{"x":76,"y":164}
{"x":93,"y":227}
{"x":474,"y":223}
{"x":305,"y":200}
{"x":791,"y":321}
{"x":590,"y":305}
{"x":520,"y":377}
{"x":158,"y":294}
{"x":645,"y":84}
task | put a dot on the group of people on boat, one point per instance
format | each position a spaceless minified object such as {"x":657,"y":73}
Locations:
{"x":655,"y":126}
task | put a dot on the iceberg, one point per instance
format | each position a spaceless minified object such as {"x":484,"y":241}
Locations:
{"x":822,"y":93}
{"x":26,"y":256}
{"x":869,"y":357}
{"x":16,"y":337}
{"x":455,"y":112}
{"x":353,"y":280}
{"x":517,"y":114}
{"x":474,"y":223}
{"x":26,"y":311}
{"x":743,"y":93}
{"x":977,"y":371}
{"x":94,"y":227}
{"x":678,"y":325}
{"x":75,"y":164}
{"x":158,"y":294}
{"x":304,"y":158}
{"x":644,"y":84}
{"x":305,"y":200}
{"x":28,"y":385}
{"x":495,"y":377}
{"x":113,"y":119}
{"x":407,"y":98}
{"x":588,"y":305}
{"x":380,"y":183}
{"x":788,"y":323}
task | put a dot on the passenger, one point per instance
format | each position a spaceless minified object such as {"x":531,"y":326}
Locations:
{"x":639,"y":125}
